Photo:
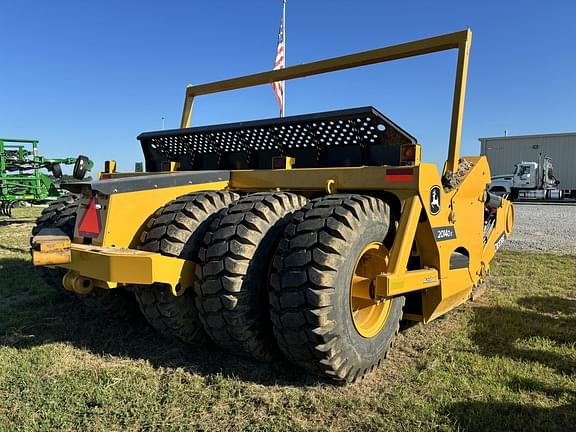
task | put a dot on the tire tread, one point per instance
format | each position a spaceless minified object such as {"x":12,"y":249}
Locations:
{"x":302,"y":294}
{"x":176,"y":230}
{"x":231,"y":292}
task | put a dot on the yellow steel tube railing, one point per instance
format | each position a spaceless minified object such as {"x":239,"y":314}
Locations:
{"x":459,"y":40}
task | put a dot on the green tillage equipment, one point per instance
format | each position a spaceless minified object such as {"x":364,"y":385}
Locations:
{"x":21,"y":157}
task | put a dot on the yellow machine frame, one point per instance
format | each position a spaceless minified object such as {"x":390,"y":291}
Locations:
{"x":112,"y":259}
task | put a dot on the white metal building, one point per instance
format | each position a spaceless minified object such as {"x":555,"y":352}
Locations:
{"x":506,"y":151}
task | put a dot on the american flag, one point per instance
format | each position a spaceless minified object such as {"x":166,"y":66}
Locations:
{"x":280,"y":63}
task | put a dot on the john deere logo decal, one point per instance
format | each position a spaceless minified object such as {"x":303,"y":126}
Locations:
{"x":435,"y":200}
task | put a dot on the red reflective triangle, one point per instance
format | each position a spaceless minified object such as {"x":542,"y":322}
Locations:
{"x":90,"y":224}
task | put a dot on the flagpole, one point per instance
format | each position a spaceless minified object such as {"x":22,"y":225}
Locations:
{"x":280,"y":63}
{"x":283,"y":113}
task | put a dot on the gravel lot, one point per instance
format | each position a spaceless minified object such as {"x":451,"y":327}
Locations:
{"x":544,"y":227}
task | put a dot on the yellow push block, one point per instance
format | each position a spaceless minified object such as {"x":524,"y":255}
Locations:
{"x":51,"y":247}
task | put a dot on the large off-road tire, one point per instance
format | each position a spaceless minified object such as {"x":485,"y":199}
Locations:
{"x":320,"y":322}
{"x":177,"y":229}
{"x":232,"y":281}
{"x":61,"y":214}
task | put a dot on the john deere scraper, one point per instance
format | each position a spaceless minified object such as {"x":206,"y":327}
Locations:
{"x":310,"y":236}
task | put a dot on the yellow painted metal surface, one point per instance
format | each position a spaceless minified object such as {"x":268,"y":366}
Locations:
{"x":454,"y":290}
{"x":127,"y":266}
{"x":50,"y":247}
{"x":75,"y":282}
{"x":110,"y":166}
{"x":315,"y":179}
{"x":369,"y":314}
{"x":400,"y":252}
{"x":124,"y":215}
{"x":458,"y":102}
{"x":462,"y":210}
{"x":390,"y":284}
{"x":52,"y":257}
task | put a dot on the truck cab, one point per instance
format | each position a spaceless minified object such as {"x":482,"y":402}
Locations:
{"x":534,"y":175}
{"x":527,"y":176}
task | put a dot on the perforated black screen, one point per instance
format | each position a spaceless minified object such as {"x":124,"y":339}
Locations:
{"x":354,"y":137}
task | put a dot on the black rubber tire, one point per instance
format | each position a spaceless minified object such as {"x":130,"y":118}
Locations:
{"x":513,"y":194}
{"x":310,"y":280}
{"x":118,"y":302}
{"x":177,"y":229}
{"x":56,"y":171}
{"x":80,"y":167}
{"x":59,"y":214}
{"x":232,"y":281}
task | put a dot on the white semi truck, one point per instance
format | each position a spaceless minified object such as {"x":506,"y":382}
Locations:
{"x":529,"y":181}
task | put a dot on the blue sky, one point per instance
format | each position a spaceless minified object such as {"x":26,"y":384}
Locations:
{"x":88,"y":77}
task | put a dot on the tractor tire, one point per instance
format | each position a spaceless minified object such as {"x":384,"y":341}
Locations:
{"x":177,"y":230}
{"x":117,"y":303}
{"x":232,"y":281}
{"x":56,"y":171}
{"x":80,"y":167}
{"x":319,"y":321}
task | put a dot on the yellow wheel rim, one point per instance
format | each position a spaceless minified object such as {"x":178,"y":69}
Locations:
{"x":368,"y":315}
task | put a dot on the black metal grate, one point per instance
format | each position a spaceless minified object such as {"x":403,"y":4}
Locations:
{"x":361,"y":136}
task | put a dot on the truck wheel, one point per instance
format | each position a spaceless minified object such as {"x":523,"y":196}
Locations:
{"x":177,"y":230}
{"x":324,"y":317}
{"x":513,"y":194}
{"x":232,"y":281}
{"x":117,"y":303}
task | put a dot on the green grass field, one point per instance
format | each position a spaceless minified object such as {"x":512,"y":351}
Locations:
{"x":505,"y":362}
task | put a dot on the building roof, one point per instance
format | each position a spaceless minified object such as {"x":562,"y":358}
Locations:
{"x":528,"y":136}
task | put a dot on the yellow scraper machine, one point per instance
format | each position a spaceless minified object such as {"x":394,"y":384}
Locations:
{"x":312,"y":236}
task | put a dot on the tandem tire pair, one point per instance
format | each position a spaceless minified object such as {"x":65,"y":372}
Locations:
{"x":276,"y":273}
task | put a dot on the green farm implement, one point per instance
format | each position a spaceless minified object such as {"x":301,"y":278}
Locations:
{"x":21,"y":178}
